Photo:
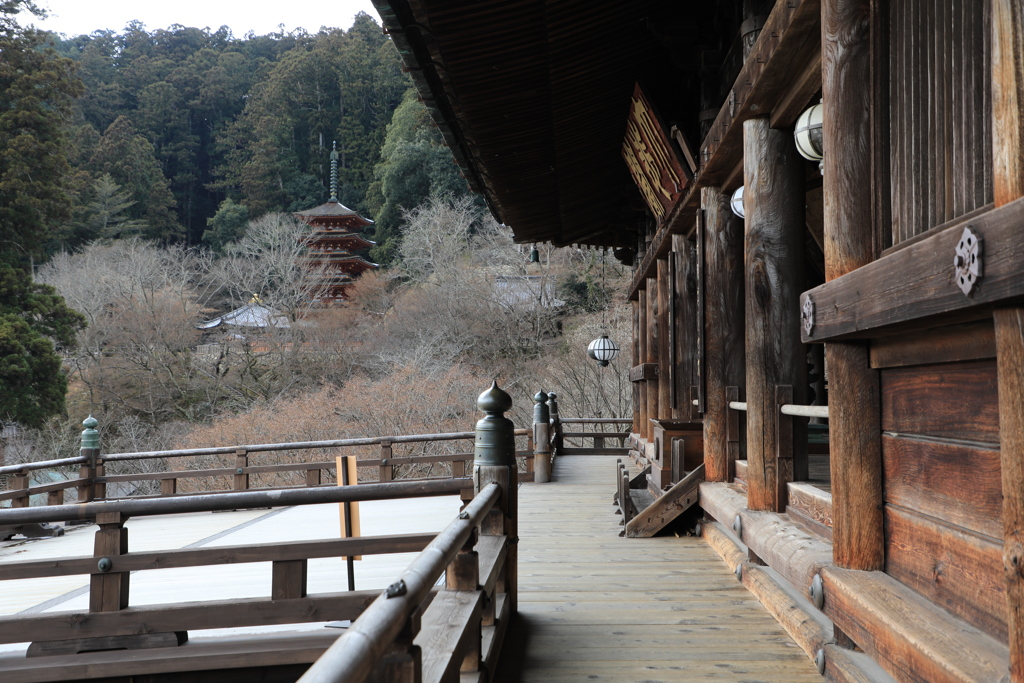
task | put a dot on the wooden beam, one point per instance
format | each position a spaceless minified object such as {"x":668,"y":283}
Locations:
{"x":914,"y":288}
{"x":911,"y":637}
{"x":184,"y":616}
{"x":725,"y":362}
{"x":774,"y":267}
{"x":776,"y":75}
{"x":1010,"y":362}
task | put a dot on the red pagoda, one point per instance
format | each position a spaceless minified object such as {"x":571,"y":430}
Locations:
{"x":335,"y":242}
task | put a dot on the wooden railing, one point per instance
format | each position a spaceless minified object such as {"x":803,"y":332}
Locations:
{"x":413,"y":631}
{"x":112,"y":623}
{"x":242,"y":474}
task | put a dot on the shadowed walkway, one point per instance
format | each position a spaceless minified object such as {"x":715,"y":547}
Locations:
{"x":596,"y":607}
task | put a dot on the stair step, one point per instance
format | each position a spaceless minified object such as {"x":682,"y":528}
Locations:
{"x":810,"y":507}
{"x":642,"y":499}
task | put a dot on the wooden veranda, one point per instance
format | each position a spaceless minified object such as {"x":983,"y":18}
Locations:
{"x":596,"y":607}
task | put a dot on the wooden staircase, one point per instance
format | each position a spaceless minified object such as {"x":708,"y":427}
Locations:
{"x":643,"y":513}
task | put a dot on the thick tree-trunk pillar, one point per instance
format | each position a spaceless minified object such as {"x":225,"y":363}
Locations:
{"x":774,"y":267}
{"x":653,"y":350}
{"x":686,"y":320}
{"x":645,"y":406}
{"x":666,"y":372}
{"x":724,"y":357}
{"x":854,"y":415}
{"x":1008,"y":185}
{"x":635,"y":347}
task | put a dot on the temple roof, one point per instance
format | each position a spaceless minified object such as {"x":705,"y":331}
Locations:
{"x":333,"y":210}
{"x":533,"y":98}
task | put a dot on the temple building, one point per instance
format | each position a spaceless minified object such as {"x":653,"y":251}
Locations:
{"x":335,"y":243}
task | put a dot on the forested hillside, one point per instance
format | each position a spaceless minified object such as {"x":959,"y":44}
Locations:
{"x":177,"y":123}
{"x":147,"y":181}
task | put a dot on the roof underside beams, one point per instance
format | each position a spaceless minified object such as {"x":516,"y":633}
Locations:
{"x":532,"y":97}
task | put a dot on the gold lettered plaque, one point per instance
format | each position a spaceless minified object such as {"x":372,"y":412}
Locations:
{"x":652,"y":159}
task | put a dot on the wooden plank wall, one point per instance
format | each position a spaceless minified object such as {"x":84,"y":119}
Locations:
{"x":941,"y":461}
{"x":940,"y":109}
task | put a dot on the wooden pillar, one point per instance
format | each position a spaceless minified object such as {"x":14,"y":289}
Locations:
{"x":635,"y":346}
{"x":850,"y":242}
{"x":774,"y":267}
{"x":241,"y":463}
{"x":724,"y":357}
{"x":686,"y":322}
{"x":653,"y":351}
{"x":643,"y":423}
{"x":108,"y":591}
{"x":665,"y":339}
{"x":1008,"y":185}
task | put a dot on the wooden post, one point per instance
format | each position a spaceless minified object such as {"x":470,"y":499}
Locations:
{"x":556,"y":439}
{"x":495,"y":461}
{"x":241,"y":477}
{"x":91,"y":451}
{"x":288,"y":579}
{"x":20,"y":481}
{"x":99,"y":489}
{"x":654,"y":332}
{"x":686,"y":322}
{"x":463,"y":574}
{"x":774,"y":266}
{"x":1008,"y":185}
{"x":635,"y":346}
{"x":541,"y":439}
{"x":644,"y":423}
{"x":855,"y":434}
{"x":313,"y":477}
{"x":1010,"y":361}
{"x":108,"y":589}
{"x":665,"y":350}
{"x":387,"y":470}
{"x":168,"y":487}
{"x":725,"y":362}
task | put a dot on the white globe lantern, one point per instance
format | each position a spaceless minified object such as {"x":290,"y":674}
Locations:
{"x":736,"y":203}
{"x":807,"y":134}
{"x":603,"y":350}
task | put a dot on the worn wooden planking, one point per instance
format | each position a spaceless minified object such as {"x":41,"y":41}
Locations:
{"x":586,"y":615}
{"x":665,"y":509}
{"x":911,"y":638}
{"x":951,"y":400}
{"x":928,"y":475}
{"x":970,"y":341}
{"x":952,"y":567}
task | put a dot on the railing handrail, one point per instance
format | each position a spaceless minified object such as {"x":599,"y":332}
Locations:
{"x":252,"y":448}
{"x":596,"y":420}
{"x":788,"y":409}
{"x":803,"y":411}
{"x":210,"y":502}
{"x":355,"y":654}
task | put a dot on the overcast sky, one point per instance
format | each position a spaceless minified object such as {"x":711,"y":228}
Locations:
{"x":75,"y":17}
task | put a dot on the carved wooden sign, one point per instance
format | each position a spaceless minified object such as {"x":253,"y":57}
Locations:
{"x":652,"y":160}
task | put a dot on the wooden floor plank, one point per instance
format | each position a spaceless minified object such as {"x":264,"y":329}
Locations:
{"x":596,"y":607}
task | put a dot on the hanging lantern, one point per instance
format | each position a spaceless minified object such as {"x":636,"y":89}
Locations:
{"x":603,"y":350}
{"x":736,"y":203}
{"x":807,"y":134}
{"x":534,"y":255}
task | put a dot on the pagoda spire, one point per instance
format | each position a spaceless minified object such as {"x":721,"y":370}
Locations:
{"x":334,"y":173}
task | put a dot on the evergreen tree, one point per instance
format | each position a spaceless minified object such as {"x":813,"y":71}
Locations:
{"x":415,"y":164}
{"x":227,"y":225}
{"x":130,"y":160}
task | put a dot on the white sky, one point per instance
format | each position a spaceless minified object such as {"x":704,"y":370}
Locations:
{"x":76,"y":17}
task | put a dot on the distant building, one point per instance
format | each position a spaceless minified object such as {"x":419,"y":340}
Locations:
{"x":335,"y":243}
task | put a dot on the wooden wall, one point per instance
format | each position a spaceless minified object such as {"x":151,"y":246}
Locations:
{"x":940,"y":109}
{"x":941,"y":461}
